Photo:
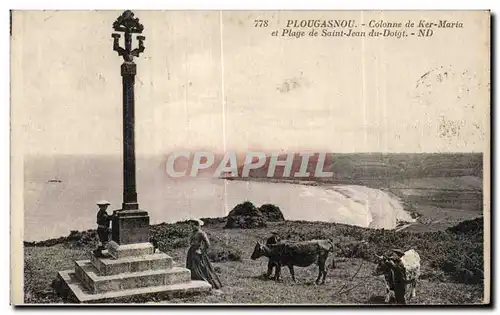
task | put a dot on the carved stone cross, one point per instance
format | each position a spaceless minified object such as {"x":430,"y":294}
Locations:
{"x":130,"y":225}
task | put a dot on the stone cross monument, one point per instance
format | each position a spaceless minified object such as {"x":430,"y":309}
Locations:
{"x":130,"y":266}
{"x":130,"y":225}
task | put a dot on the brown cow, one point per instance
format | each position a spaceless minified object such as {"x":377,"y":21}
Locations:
{"x":301,"y":254}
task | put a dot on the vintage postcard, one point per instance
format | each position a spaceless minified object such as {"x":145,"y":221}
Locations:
{"x":250,"y":157}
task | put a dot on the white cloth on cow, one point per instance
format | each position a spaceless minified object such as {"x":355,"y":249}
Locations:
{"x":411,"y":263}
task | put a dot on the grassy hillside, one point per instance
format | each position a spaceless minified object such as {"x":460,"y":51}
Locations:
{"x":452,"y":263}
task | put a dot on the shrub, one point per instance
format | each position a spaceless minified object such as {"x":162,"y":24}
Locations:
{"x":213,"y":221}
{"x":74,"y":239}
{"x":180,"y":243}
{"x":355,"y":250}
{"x":473,"y":227}
{"x":221,"y":249}
{"x":246,"y":216}
{"x":220,"y":254}
{"x":171,"y":236}
{"x":272,"y":213}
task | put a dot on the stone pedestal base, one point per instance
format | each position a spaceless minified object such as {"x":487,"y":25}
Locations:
{"x":130,"y":271}
{"x":130,"y":227}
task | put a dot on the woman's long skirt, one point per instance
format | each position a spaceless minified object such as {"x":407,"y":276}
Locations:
{"x":201,"y":268}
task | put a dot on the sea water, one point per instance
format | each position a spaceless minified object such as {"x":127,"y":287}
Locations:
{"x":53,"y":209}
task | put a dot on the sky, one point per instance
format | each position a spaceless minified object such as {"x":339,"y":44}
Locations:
{"x":213,"y":81}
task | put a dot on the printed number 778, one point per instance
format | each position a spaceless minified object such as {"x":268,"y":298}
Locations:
{"x":261,"y":23}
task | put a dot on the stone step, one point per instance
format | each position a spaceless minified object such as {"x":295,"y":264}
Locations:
{"x":74,"y":290}
{"x":96,"y":283}
{"x":121,"y":251}
{"x":110,"y":266}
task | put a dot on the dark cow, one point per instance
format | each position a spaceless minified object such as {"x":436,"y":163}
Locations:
{"x":401,"y":272}
{"x":301,"y":254}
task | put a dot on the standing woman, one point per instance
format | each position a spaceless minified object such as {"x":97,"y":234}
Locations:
{"x":197,"y":259}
